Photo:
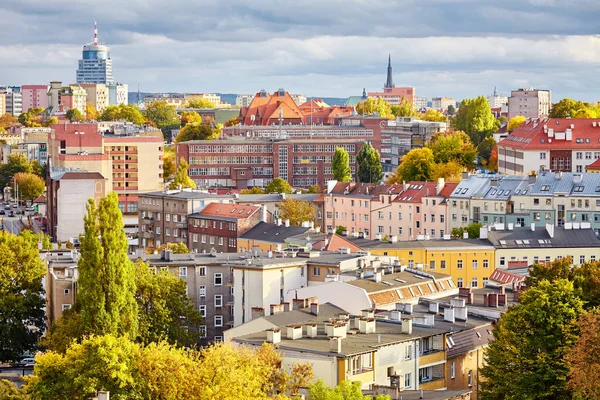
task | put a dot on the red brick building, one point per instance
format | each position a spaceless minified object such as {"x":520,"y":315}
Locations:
{"x":219,"y":226}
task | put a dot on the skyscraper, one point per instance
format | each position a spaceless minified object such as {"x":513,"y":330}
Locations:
{"x":96,"y":65}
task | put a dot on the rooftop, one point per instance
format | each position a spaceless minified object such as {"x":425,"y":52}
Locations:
{"x":272,"y":233}
{"x":526,"y":238}
{"x":437,"y":244}
{"x":186,"y":194}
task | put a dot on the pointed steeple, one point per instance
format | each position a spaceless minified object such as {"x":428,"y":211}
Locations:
{"x":364,"y":95}
{"x":390,"y":81}
{"x":95,"y":33}
{"x":495,"y":92}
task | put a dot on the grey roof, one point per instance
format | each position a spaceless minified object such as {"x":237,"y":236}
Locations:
{"x":367,"y":244}
{"x":396,"y":280}
{"x":575,"y":184}
{"x":193,"y":258}
{"x":272,"y":232}
{"x":469,"y":340}
{"x":276,"y":197}
{"x":506,"y":186}
{"x":525,"y":238}
{"x":475,"y":185}
{"x":326,"y":311}
{"x":186,"y":195}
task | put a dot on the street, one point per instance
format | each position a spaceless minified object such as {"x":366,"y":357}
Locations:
{"x":12,"y":224}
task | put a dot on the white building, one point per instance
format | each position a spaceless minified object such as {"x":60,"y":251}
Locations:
{"x":442,"y":103}
{"x":497,"y":100}
{"x":118,"y":94}
{"x":530,"y":103}
{"x":299,"y":99}
{"x":243,"y":100}
{"x":13,"y":99}
{"x":420,"y":103}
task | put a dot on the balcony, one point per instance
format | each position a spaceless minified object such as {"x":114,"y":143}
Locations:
{"x":432,"y":357}
{"x":181,"y":225}
{"x":130,"y":152}
{"x":148,"y":234}
{"x":434,"y":384}
{"x":131,"y":161}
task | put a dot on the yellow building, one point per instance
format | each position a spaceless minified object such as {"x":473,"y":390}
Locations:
{"x":469,"y":262}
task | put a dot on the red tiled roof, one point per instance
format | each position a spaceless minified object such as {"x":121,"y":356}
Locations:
{"x":335,"y":243}
{"x":229,"y":210}
{"x":503,"y":276}
{"x":594,"y":166}
{"x":40,"y":199}
{"x":536,"y":134}
{"x":448,"y":189}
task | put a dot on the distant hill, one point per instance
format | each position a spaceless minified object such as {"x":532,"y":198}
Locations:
{"x":230,"y":98}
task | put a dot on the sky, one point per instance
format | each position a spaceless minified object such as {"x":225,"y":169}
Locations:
{"x":328,"y":48}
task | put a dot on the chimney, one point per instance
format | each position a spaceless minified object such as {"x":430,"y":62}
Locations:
{"x":258,"y":312}
{"x":461,"y":313}
{"x":533,"y":227}
{"x":286,"y":306}
{"x":279,"y":222}
{"x":102,"y":395}
{"x":434,"y":308}
{"x":457,"y":302}
{"x":335,"y":345}
{"x":368,"y":313}
{"x":407,"y":308}
{"x":276,"y":309}
{"x":440,"y":185}
{"x":311,"y":329}
{"x":298,"y":304}
{"x":449,"y":314}
{"x":274,"y":335}
{"x":395,"y":315}
{"x":465,"y":235}
{"x":263,"y":210}
{"x":494,"y":182}
{"x":464,"y":291}
{"x":532,"y":179}
{"x":287,"y":223}
{"x":294,"y":331}
{"x":407,"y":325}
{"x":404,"y":186}
{"x":502,"y":290}
{"x":465,"y":175}
{"x":314,"y":309}
{"x":366,"y":325}
{"x":378,"y":276}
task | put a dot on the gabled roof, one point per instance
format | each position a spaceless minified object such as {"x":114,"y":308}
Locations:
{"x":555,"y":134}
{"x":272,"y":233}
{"x":40,"y":199}
{"x":593,"y":166}
{"x":334,"y":243}
{"x":227,"y":211}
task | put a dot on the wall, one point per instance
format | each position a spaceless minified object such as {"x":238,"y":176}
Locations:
{"x":72,"y":199}
{"x":463,"y":363}
{"x":542,"y":253}
{"x":467,"y":255}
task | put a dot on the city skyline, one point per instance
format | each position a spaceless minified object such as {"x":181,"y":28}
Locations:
{"x":319,"y":49}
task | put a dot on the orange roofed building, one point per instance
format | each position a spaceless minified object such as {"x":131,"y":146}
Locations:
{"x":266,"y":109}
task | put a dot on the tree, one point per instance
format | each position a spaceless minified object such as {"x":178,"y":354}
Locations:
{"x":297,"y":211}
{"x":369,"y":164}
{"x":176,"y":248}
{"x":163,"y":115}
{"x":169,"y":163}
{"x":181,"y":176}
{"x":346,"y":390}
{"x":278,"y":185}
{"x":371,"y":106}
{"x":584,"y":358}
{"x":196,"y":131}
{"x":492,"y":164}
{"x":405,"y":109}
{"x":433,"y":115}
{"x":200,"y":103}
{"x":30,"y":186}
{"x":416,"y":165}
{"x":473,"y":230}
{"x":451,"y":109}
{"x":90,"y":112}
{"x":22,"y":319}
{"x":315,"y":189}
{"x":127,"y":112}
{"x":253,"y":190}
{"x":188,"y":117}
{"x":450,"y":171}
{"x":341,"y":165}
{"x":475,"y":118}
{"x":165,"y":310}
{"x":7,"y":120}
{"x":340,"y":230}
{"x":233,"y":121}
{"x":32,"y":118}
{"x":572,"y":108}
{"x":106,"y":284}
{"x":453,"y":145}
{"x":50,"y":121}
{"x":8,"y":391}
{"x":484,"y":150}
{"x":526,"y":359}
{"x":515,"y":122}
{"x":16,"y":163}
{"x":74,"y":115}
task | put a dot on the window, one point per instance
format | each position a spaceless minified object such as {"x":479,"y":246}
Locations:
{"x":459,"y":282}
{"x":536,"y":216}
{"x":202,"y":331}
{"x":66,"y":307}
{"x":218,"y":320}
{"x":486,"y":264}
{"x":453,"y":366}
{"x":407,"y":380}
{"x":67,"y":291}
{"x":232,"y":242}
{"x":582,"y":259}
{"x":502,"y":261}
{"x":474,"y":283}
{"x":400,"y":229}
{"x":485,"y":281}
{"x":167,"y":217}
{"x":182,"y":272}
{"x":212,"y":240}
{"x":443,"y":264}
{"x":202,"y":290}
{"x":316,"y":271}
{"x":408,"y":352}
{"x":425,"y":374}
{"x":470,"y":377}
{"x":474,"y":262}
{"x":195,"y":238}
{"x":220,"y":241}
{"x":202,"y":309}
{"x":202,"y":271}
{"x":459,"y":264}
{"x":218,"y":338}
{"x":536,"y":202}
{"x":218,"y":279}
{"x":203,"y":238}
{"x":432,"y":264}
{"x":542,"y":156}
{"x":218,"y":300}
{"x":167,"y":231}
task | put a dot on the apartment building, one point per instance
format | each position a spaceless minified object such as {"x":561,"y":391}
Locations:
{"x":210,"y":97}
{"x":217,"y":226}
{"x":555,"y":144}
{"x":34,"y":96}
{"x":62,"y":98}
{"x":13,"y":98}
{"x":243,"y":100}
{"x":159,"y":212}
{"x":271,"y":202}
{"x":269,"y":237}
{"x":60,"y":283}
{"x":420,"y":103}
{"x":442,"y":103}
{"x":530,"y":103}
{"x":97,"y":95}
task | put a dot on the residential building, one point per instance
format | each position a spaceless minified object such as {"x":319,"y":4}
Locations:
{"x":169,"y":210}
{"x":243,"y":100}
{"x":269,"y":237}
{"x":271,"y":202}
{"x":420,"y":103}
{"x":299,"y":99}
{"x":95,"y":66}
{"x":97,"y":95}
{"x":172,"y":99}
{"x":34,"y":151}
{"x":217,"y":227}
{"x":594,"y":166}
{"x":62,"y":98}
{"x":14,"y":99}
{"x":391,"y":93}
{"x":497,"y":100}
{"x":117,"y":94}
{"x":68,"y":192}
{"x":442,"y":103}
{"x":34,"y":96}
{"x":530,"y":103}
{"x":2,"y":103}
{"x":555,"y":144}
{"x":210,"y":97}
{"x":60,"y":283}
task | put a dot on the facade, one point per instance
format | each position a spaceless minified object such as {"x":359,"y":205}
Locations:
{"x":217,"y":227}
{"x":97,"y":95}
{"x":555,"y":144}
{"x":67,"y":194}
{"x":62,"y":98}
{"x":442,"y":103}
{"x":299,"y":99}
{"x":95,"y":65}
{"x":243,"y":100}
{"x":117,"y":94}
{"x":420,"y":103}
{"x":61,"y":283}
{"x":34,"y":96}
{"x":267,"y":237}
{"x":2,"y":103}
{"x":176,"y":100}
{"x":13,"y":98}
{"x":530,"y":103}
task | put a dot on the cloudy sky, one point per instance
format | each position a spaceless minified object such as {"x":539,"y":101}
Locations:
{"x":456,"y":48}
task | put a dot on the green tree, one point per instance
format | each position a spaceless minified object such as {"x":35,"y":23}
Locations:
{"x":453,"y":145}
{"x":16,"y":163}
{"x":188,"y":117}
{"x":50,"y":121}
{"x":36,"y":168}
{"x":278,"y":185}
{"x":341,"y":165}
{"x":176,"y":248}
{"x":163,"y":115}
{"x":584,"y":358}
{"x":346,"y":390}
{"x":369,"y":164}
{"x":165,"y":310}
{"x":200,"y":103}
{"x":32,"y":118}
{"x":30,"y":186}
{"x":315,"y":189}
{"x":405,"y":109}
{"x":526,"y":359}
{"x":416,"y":165}
{"x":91,"y":114}
{"x":127,"y":112}
{"x":297,"y":211}
{"x":484,"y":150}
{"x":515,"y":122}
{"x":169,"y":166}
{"x":253,"y":190}
{"x":433,"y":115}
{"x":22,"y":319}
{"x":106,"y":285}
{"x":371,"y":106}
{"x":181,"y":176}
{"x":74,"y":115}
{"x":196,"y":131}
{"x":65,"y":331}
{"x":340,"y":230}
{"x":8,"y":391}
{"x":572,"y":108}
{"x":475,"y":118}
{"x":451,"y":109}
{"x":450,"y":171}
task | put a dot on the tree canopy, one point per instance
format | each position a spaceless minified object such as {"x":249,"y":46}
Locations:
{"x":253,"y":190}
{"x":369,"y":164}
{"x":6,"y":120}
{"x":584,"y":358}
{"x":341,"y":165}
{"x":475,"y":118}
{"x":297,"y":211}
{"x":484,"y":150}
{"x":416,"y":165}
{"x":181,"y":176}
{"x":346,"y":390}
{"x":453,"y":145}
{"x":371,"y":106}
{"x":405,"y":109}
{"x":74,"y":115}
{"x":278,"y":185}
{"x":196,"y":131}
{"x":34,"y":117}
{"x":200,"y":103}
{"x":433,"y":115}
{"x":91,"y":114}
{"x":163,"y":115}
{"x":30,"y":186}
{"x":169,"y":166}
{"x":515,"y":122}
{"x":127,"y":112}
{"x":22,"y":304}
{"x":574,"y":109}
{"x":188,"y":117}
{"x":17,"y":162}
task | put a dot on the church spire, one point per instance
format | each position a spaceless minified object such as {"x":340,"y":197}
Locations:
{"x":389,"y":82}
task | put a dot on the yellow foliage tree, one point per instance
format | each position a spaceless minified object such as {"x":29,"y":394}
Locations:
{"x":297,"y":211}
{"x":90,"y":112}
{"x":515,"y":122}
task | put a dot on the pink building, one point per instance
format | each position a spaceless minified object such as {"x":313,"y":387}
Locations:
{"x":34,"y":96}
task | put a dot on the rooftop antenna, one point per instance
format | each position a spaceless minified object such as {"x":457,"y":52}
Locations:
{"x":139,"y":96}
{"x":95,"y":33}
